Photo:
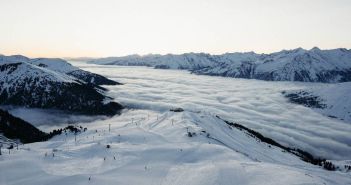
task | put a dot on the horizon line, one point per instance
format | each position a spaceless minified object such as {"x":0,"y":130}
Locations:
{"x":163,"y":54}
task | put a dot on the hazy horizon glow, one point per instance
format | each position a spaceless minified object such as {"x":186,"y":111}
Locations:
{"x":93,"y":28}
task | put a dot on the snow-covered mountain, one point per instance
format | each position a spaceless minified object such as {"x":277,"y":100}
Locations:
{"x":184,"y":61}
{"x":49,"y":83}
{"x":61,"y":66}
{"x":313,"y":65}
{"x":332,"y":100}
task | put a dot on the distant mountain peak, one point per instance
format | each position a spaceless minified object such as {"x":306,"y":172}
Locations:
{"x":314,"y":65}
{"x":315,"y":49}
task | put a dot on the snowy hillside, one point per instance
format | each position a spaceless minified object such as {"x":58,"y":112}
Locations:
{"x":185,"y":61}
{"x":333,"y":100}
{"x":313,"y":65}
{"x":61,"y":66}
{"x":25,"y":84}
{"x":145,"y":147}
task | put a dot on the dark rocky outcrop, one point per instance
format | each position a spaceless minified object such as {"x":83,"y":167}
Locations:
{"x":304,"y":98}
{"x":177,"y":109}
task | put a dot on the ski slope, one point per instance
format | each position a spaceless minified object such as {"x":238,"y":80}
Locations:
{"x":148,"y":147}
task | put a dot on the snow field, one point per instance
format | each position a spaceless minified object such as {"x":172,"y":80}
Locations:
{"x":148,"y":149}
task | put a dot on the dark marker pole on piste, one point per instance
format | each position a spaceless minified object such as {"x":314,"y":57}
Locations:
{"x":10,"y":147}
{"x":109,"y":127}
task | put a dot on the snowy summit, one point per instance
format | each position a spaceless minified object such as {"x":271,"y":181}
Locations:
{"x":313,"y":65}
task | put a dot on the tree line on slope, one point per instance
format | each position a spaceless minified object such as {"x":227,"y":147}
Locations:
{"x":15,"y":128}
{"x":305,"y":156}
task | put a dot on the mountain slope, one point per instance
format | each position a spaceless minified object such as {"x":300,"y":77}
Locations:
{"x":25,"y":84}
{"x":14,"y":131}
{"x":156,"y":149}
{"x":15,"y":128}
{"x":61,"y":66}
{"x":332,"y":100}
{"x":184,"y":61}
{"x":313,"y":65}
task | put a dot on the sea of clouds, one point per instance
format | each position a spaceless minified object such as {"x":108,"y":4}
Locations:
{"x":49,"y":119}
{"x":256,"y":104}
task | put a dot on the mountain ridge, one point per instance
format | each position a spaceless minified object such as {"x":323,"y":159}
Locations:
{"x":314,"y":65}
{"x":50,"y":83}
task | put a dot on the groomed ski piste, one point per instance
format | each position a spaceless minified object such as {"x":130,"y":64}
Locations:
{"x":147,"y":147}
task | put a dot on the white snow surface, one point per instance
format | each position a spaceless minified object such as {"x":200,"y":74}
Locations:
{"x":146,"y":148}
{"x":54,"y":64}
{"x":30,"y":69}
{"x":184,"y":61}
{"x":27,"y":71}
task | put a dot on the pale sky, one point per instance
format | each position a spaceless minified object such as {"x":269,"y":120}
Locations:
{"x":100,"y":28}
